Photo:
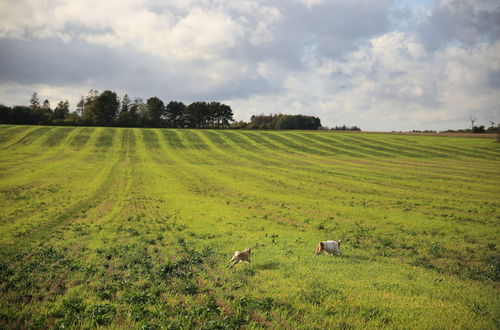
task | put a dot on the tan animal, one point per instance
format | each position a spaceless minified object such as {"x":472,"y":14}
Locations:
{"x":329,"y":247}
{"x":240,"y":256}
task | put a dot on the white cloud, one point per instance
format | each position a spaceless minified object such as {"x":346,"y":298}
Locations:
{"x":393,"y":84}
{"x":345,"y":61}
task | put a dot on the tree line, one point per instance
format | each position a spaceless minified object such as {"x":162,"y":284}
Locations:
{"x":280,"y":121}
{"x":107,"y":109}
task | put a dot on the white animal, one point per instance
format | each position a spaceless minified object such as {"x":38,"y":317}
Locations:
{"x":240,"y":256}
{"x":329,"y":247}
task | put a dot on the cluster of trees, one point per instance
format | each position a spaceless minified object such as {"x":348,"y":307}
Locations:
{"x":36,"y":113}
{"x":476,"y":129}
{"x":107,"y":109}
{"x":280,"y":121}
{"x":345,"y":128}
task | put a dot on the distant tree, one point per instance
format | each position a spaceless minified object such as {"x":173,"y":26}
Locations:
{"x":80,"y":106}
{"x":493,"y":129}
{"x":46,"y":113}
{"x":87,"y":116}
{"x":125,"y":103}
{"x":155,"y":112}
{"x":22,"y":115}
{"x":137,"y":107}
{"x":105,"y":108}
{"x":175,"y":113}
{"x":263,"y":121}
{"x":298,"y":122}
{"x":35,"y":101}
{"x":478,"y":129}
{"x":129,"y":113}
{"x":219,"y":115}
{"x":196,"y":114}
{"x":62,"y":110}
{"x":46,"y":105}
{"x":239,"y":125}
{"x":346,"y":128}
{"x":225,"y":115}
{"x":5,"y":114}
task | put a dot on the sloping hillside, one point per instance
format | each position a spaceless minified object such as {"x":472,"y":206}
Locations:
{"x":124,"y":227}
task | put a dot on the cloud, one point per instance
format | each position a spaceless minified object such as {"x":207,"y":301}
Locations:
{"x":394,"y":83}
{"x":379,"y":64}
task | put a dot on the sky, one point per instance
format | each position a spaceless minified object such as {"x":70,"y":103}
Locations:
{"x":382,"y":65}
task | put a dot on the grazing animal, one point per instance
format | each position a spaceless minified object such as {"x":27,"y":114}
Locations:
{"x":329,"y":247}
{"x":240,"y":256}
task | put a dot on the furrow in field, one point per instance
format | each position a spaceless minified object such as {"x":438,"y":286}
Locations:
{"x":397,"y":150}
{"x":59,"y":135}
{"x":331,"y":139}
{"x":439,"y":145}
{"x":199,"y":180}
{"x":25,"y":137}
{"x":398,"y":185}
{"x":37,"y":152}
{"x":395,"y":143}
{"x":75,"y":201}
{"x":8,"y":133}
{"x":274,"y":186}
{"x":421,"y":162}
{"x":34,"y":163}
{"x":75,"y":234}
{"x":290,"y":144}
{"x":247,"y":151}
{"x":341,"y":140}
{"x":320,"y":143}
{"x":403,"y":176}
{"x":192,"y":140}
{"x":172,"y":139}
{"x":382,"y":176}
{"x":52,"y":148}
{"x":262,"y":203}
{"x":259,"y":140}
{"x":203,"y":213}
{"x":351,"y":141}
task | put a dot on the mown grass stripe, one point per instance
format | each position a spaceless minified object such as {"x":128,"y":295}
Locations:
{"x":8,"y":133}
{"x":150,"y":138}
{"x":217,"y":140}
{"x":260,"y":140}
{"x":192,"y":140}
{"x":105,"y":138}
{"x":287,"y":141}
{"x":440,"y":145}
{"x":172,"y":138}
{"x":81,"y":138}
{"x":323,"y":144}
{"x":57,"y":137}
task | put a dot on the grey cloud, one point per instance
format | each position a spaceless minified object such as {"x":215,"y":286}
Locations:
{"x":52,"y":61}
{"x":339,"y":32}
{"x":462,"y":22}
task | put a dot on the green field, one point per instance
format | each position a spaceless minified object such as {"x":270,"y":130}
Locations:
{"x":133,"y":228}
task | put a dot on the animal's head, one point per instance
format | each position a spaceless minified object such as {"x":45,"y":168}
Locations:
{"x":248,"y":250}
{"x":339,"y":242}
{"x":320,"y":247}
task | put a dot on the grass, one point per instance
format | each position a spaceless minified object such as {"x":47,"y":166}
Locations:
{"x":133,"y":228}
